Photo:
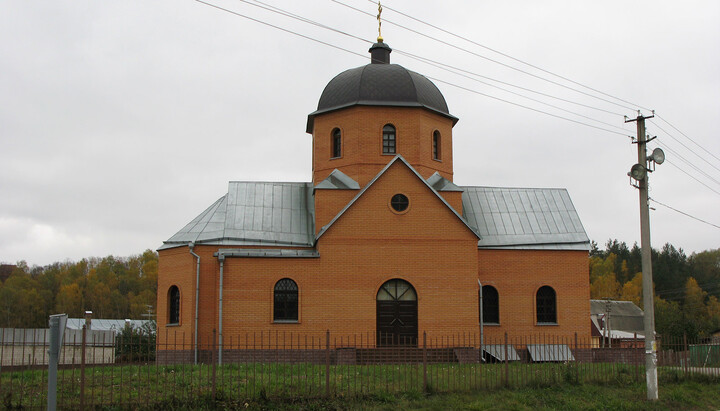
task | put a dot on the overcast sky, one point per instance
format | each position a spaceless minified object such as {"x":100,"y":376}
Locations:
{"x":120,"y":121}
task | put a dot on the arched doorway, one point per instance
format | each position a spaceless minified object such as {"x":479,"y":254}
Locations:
{"x":397,"y":314}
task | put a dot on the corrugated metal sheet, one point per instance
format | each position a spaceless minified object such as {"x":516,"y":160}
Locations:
{"x":497,"y":351}
{"x":102,"y":324}
{"x":524,"y":218}
{"x":41,"y":336}
{"x":550,"y":352}
{"x":254,"y":213}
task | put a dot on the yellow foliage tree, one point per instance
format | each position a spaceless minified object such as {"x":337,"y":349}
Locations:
{"x":605,"y":286}
{"x":632,"y":291}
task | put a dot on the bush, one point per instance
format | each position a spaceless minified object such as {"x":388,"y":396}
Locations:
{"x":136,"y":344}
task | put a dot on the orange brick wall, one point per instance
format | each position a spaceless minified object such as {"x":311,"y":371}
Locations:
{"x":328,"y":203}
{"x":518,"y":274}
{"x":361,"y":128}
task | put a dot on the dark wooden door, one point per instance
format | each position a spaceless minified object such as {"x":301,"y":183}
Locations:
{"x":397,"y":319}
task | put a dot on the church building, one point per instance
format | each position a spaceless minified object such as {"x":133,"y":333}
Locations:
{"x":381,"y":242}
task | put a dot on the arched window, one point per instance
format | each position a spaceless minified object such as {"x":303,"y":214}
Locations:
{"x":546,"y":303}
{"x":388,"y":139}
{"x":490,"y":305}
{"x":286,"y":300}
{"x":436,"y":145}
{"x":336,"y":143}
{"x":174,"y":305}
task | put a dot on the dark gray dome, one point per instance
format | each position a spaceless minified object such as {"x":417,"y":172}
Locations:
{"x":380,"y":85}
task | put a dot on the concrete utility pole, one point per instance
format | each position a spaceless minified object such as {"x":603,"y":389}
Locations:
{"x":641,"y":175}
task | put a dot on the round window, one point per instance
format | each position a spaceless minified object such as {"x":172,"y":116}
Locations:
{"x":399,"y":202}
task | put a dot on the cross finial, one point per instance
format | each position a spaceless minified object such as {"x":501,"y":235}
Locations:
{"x":379,"y":39}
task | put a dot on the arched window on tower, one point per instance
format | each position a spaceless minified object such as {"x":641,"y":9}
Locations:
{"x":336,"y":143}
{"x":490,"y":305}
{"x":286,"y":301}
{"x":388,"y":139}
{"x":546,"y":303}
{"x":436,"y":145}
{"x":174,"y":305}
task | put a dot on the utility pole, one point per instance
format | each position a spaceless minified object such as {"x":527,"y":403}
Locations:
{"x":640,"y":173}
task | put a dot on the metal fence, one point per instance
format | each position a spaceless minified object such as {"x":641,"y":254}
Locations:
{"x":287,"y":365}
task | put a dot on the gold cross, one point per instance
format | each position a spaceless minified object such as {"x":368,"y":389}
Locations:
{"x":379,"y":39}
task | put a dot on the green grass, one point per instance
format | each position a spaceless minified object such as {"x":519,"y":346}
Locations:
{"x":303,"y":386}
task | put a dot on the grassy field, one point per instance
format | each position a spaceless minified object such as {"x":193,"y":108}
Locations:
{"x":302,"y":386}
{"x":686,"y":395}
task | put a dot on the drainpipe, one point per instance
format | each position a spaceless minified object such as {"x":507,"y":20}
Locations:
{"x":482,"y":325}
{"x":221,"y":258}
{"x":191,"y":246}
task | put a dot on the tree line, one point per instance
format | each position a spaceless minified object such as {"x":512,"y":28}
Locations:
{"x":687,"y":288}
{"x":110,"y":287}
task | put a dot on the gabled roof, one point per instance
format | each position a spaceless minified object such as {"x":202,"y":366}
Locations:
{"x":440,"y":183}
{"x":524,"y":218}
{"x":339,"y":181}
{"x":624,"y":315}
{"x":370,"y":184}
{"x":254,"y":213}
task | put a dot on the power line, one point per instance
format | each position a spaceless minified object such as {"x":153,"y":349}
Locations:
{"x":688,"y":148}
{"x":696,"y":168}
{"x":686,"y":136}
{"x":525,"y":107}
{"x":509,"y":56}
{"x":684,"y":213}
{"x":282,"y":29}
{"x":691,"y":176}
{"x":309,"y":21}
{"x":486,"y":58}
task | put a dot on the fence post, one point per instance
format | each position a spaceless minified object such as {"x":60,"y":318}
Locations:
{"x":635,"y":359}
{"x":424,"y":361}
{"x":82,"y":367}
{"x":685,"y":354}
{"x":327,"y":363}
{"x":214,"y":346}
{"x":507,"y":366}
{"x":577,"y":360}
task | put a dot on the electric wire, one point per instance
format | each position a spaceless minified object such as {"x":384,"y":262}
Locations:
{"x":688,"y":148}
{"x":438,"y":64}
{"x":510,"y":57}
{"x":280,"y":28}
{"x":686,"y":136}
{"x":523,"y":106}
{"x":278,"y":10}
{"x":693,"y":166}
{"x":451,"y":68}
{"x":486,"y":58}
{"x":691,"y":176}
{"x":684,"y":213}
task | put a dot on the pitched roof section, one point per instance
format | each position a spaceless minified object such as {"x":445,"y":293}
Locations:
{"x":440,"y":183}
{"x":401,"y":159}
{"x":254,"y":213}
{"x":337,"y":180}
{"x":524,"y":218}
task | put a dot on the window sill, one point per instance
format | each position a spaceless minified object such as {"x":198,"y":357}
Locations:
{"x":546,"y":324}
{"x":438,"y":160}
{"x":335,"y":158}
{"x":491,"y":324}
{"x":286,"y":322}
{"x":173,"y":325}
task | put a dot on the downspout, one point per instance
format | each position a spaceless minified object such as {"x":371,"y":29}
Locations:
{"x":191,"y":246}
{"x":221,"y":258}
{"x":482,"y":325}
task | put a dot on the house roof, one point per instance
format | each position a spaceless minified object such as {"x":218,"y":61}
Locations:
{"x":624,"y":315}
{"x":254,"y":214}
{"x":266,"y":214}
{"x":524,"y":218}
{"x":397,"y":158}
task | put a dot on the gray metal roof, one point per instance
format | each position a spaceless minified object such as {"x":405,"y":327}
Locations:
{"x":267,"y":252}
{"x":497,"y":351}
{"x":337,"y":180}
{"x":440,"y":183}
{"x":402,"y":160}
{"x":524,"y":218}
{"x":254,"y":213}
{"x":624,"y":315}
{"x":550,"y":352}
